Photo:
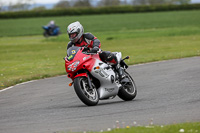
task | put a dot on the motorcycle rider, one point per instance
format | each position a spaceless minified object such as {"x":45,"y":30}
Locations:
{"x":79,"y":38}
{"x":52,"y":26}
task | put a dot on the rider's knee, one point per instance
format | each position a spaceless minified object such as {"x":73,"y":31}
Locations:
{"x":108,"y":57}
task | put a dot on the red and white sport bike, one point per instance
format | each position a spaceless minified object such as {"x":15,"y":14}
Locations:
{"x":95,"y":80}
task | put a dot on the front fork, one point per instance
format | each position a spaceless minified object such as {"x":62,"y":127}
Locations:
{"x":89,"y":81}
{"x":84,"y":75}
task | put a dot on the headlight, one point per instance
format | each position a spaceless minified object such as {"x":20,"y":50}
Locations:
{"x":72,"y":67}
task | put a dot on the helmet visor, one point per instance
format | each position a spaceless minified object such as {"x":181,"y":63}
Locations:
{"x":73,"y":35}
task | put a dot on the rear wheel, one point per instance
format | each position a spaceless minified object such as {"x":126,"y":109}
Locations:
{"x":128,"y":91}
{"x":87,"y":95}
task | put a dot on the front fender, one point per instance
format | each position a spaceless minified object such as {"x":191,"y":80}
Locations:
{"x":81,"y":75}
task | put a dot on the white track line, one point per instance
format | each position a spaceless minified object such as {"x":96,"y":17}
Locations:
{"x":22,"y":84}
{"x":6,"y":89}
{"x":131,"y":65}
{"x":17,"y":85}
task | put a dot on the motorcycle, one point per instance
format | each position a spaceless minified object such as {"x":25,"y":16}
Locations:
{"x":48,"y":31}
{"x":95,"y":80}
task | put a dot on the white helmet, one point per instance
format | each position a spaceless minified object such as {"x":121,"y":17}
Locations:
{"x":52,"y":22}
{"x":77,"y":28}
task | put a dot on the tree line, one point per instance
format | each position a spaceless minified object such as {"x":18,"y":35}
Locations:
{"x":103,"y":3}
{"x":63,"y":4}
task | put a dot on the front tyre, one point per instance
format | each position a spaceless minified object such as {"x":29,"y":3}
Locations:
{"x":87,"y":95}
{"x":128,"y":91}
{"x":45,"y":34}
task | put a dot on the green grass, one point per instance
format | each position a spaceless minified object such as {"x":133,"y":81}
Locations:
{"x":145,"y":37}
{"x":33,"y":57}
{"x":30,"y":57}
{"x":175,"y":128}
{"x":104,"y":23}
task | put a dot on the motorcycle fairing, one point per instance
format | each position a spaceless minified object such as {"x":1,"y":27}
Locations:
{"x":106,"y":76}
{"x":85,"y":61}
{"x":109,"y":86}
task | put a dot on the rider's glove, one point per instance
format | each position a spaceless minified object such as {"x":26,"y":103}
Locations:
{"x":85,"y":48}
{"x":94,"y":50}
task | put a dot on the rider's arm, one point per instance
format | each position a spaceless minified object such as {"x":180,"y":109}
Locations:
{"x":70,"y":44}
{"x":92,"y":40}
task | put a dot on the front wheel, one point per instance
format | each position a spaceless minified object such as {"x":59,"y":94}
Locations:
{"x":45,"y":34}
{"x":128,"y":91}
{"x":87,"y":95}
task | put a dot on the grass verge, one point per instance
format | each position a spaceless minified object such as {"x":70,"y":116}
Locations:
{"x":175,"y":128}
{"x":103,"y":23}
{"x":33,"y":57}
{"x":145,"y":37}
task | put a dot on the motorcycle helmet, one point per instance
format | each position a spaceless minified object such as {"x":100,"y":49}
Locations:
{"x":52,"y":22}
{"x":75,"y":31}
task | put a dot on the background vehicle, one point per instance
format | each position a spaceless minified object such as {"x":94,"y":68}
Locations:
{"x":51,"y":31}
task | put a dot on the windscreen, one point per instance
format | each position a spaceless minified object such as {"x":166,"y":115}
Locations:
{"x":71,"y":52}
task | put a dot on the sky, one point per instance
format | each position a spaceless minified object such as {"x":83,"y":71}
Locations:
{"x":5,"y":2}
{"x":55,"y":1}
{"x":35,"y":1}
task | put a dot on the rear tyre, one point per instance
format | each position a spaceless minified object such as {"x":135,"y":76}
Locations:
{"x":87,"y":95}
{"x":128,"y":91}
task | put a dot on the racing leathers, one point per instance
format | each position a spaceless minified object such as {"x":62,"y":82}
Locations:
{"x":94,"y":44}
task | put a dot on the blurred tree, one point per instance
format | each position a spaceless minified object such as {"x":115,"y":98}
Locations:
{"x":179,"y":1}
{"x":148,"y":2}
{"x":156,"y":2}
{"x":1,"y":6}
{"x":124,"y":2}
{"x":20,"y":5}
{"x":109,"y":3}
{"x":62,"y":4}
{"x":82,"y":3}
{"x":160,"y":2}
{"x":140,"y":2}
{"x":40,"y":8}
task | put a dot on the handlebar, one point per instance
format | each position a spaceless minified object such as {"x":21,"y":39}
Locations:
{"x":88,"y":53}
{"x":85,"y":51}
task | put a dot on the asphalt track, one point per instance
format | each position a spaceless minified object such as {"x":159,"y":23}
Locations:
{"x":168,"y":92}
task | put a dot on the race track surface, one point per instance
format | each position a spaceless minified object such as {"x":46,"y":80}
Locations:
{"x":168,"y":92}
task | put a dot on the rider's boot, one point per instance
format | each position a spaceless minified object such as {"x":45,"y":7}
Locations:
{"x":120,"y":71}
